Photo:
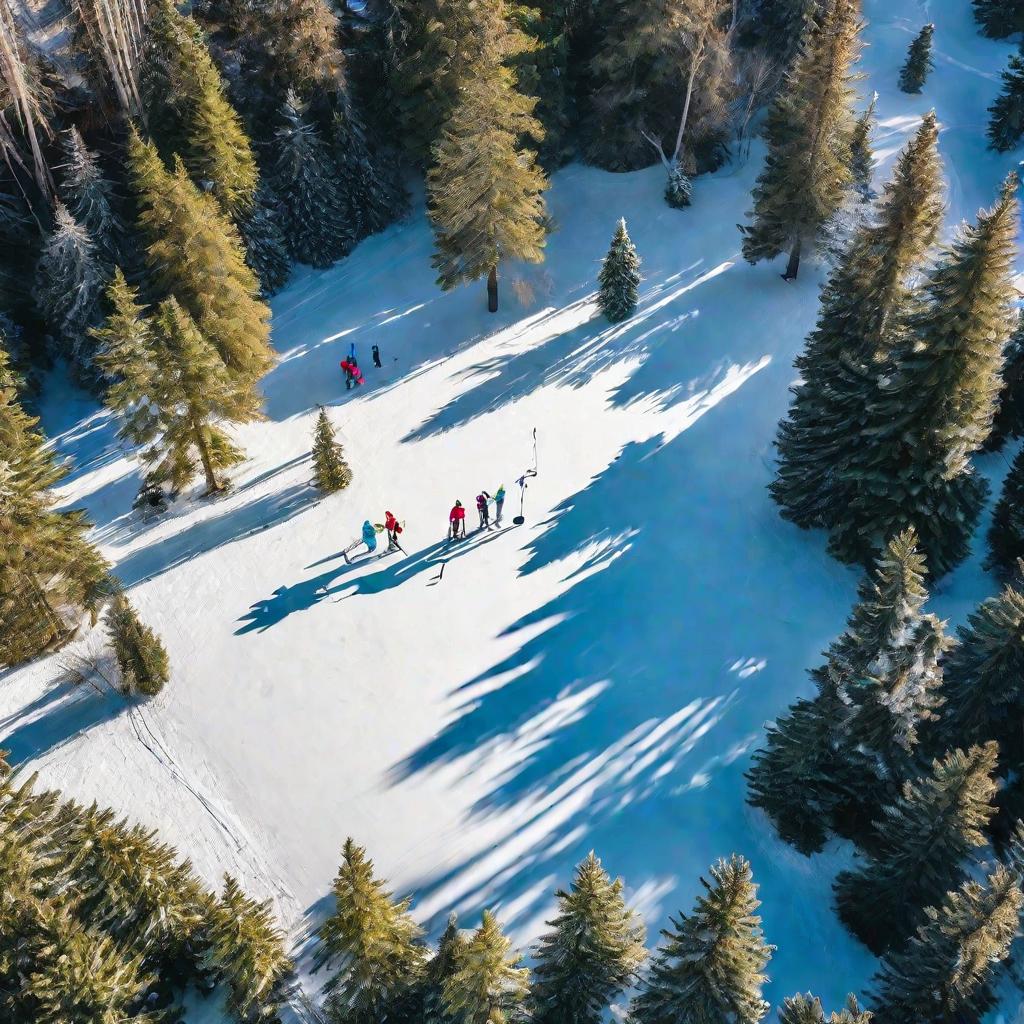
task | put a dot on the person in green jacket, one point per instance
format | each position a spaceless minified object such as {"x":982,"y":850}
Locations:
{"x":499,"y":501}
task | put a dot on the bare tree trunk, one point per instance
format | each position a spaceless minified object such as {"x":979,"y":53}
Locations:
{"x":492,"y":290}
{"x":212,"y":486}
{"x":793,"y":266}
{"x":698,"y":59}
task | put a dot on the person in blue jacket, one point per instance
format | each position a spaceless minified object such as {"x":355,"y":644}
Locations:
{"x":369,"y":536}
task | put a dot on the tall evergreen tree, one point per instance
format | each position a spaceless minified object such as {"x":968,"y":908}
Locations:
{"x":141,"y":655}
{"x":999,"y":18}
{"x":1006,"y":534}
{"x":194,"y":253}
{"x":439,"y":970}
{"x":807,"y":1009}
{"x":371,"y":943}
{"x":247,"y":953}
{"x":619,"y":279}
{"x":782,"y":25}
{"x":919,"y":61}
{"x":710,"y":966}
{"x":593,"y":952}
{"x":484,"y":190}
{"x":316,"y":227}
{"x":946,"y":973}
{"x":807,"y":168}
{"x":489,"y":984}
{"x":69,"y":282}
{"x":933,"y":403}
{"x":330,"y":470}
{"x":862,"y":157}
{"x":864,"y":305}
{"x":89,"y":198}
{"x":266,"y":252}
{"x":1006,"y":126}
{"x":921,"y":842}
{"x":172,"y":391}
{"x":1009,"y":418}
{"x":46,"y":562}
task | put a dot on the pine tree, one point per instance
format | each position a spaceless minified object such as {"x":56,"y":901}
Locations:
{"x":710,"y":966}
{"x":806,"y":1009}
{"x":141,"y":655}
{"x":89,"y":198}
{"x":921,"y":841}
{"x":69,"y":281}
{"x":330,"y":470}
{"x":985,"y":680}
{"x":593,"y":952}
{"x":999,"y":18}
{"x":439,"y":970}
{"x":782,"y":25}
{"x":313,"y":216}
{"x":619,"y":279}
{"x":47,"y":566}
{"x":194,"y":254}
{"x":484,"y":190}
{"x":1009,"y":418}
{"x":678,"y":188}
{"x":1006,"y":534}
{"x":266,"y":252}
{"x":807,"y":169}
{"x":1006,"y":126}
{"x":862,"y":157}
{"x":372,"y":944}
{"x":946,"y":972}
{"x":932,"y":405}
{"x":919,"y":61}
{"x":247,"y":953}
{"x":489,"y":984}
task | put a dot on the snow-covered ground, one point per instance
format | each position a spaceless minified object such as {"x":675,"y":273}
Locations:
{"x":594,"y":679}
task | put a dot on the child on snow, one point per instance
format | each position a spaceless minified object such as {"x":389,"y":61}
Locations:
{"x":375,"y":352}
{"x":481,"y":506}
{"x":457,"y":521}
{"x":394,"y":528}
{"x":369,"y":538}
{"x":499,"y":502}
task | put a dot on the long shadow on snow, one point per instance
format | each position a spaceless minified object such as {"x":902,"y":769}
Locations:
{"x":604,"y":730}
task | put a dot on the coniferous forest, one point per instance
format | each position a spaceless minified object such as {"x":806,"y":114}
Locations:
{"x":215,"y":221}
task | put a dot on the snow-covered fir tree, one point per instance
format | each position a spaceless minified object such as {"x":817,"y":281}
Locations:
{"x":919,"y":846}
{"x":1006,"y":534}
{"x":141,"y":655}
{"x":999,"y":18}
{"x":807,"y":170}
{"x":678,"y":188}
{"x":593,"y":952}
{"x":316,"y":225}
{"x":619,"y":280}
{"x":266,"y":252}
{"x":710,"y":966}
{"x":70,"y":279}
{"x":807,"y":1009}
{"x":330,"y":470}
{"x":89,"y":198}
{"x":862,"y":156}
{"x":947,"y":972}
{"x":932,"y":403}
{"x":485,"y":188}
{"x":1006,"y":124}
{"x":489,"y":984}
{"x":371,"y":945}
{"x":919,"y":61}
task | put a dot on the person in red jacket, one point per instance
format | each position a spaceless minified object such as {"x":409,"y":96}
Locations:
{"x":394,"y":528}
{"x":457,"y":521}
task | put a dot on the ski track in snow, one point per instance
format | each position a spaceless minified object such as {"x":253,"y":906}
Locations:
{"x":595,"y":678}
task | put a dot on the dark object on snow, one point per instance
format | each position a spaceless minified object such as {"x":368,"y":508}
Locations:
{"x":375,"y":352}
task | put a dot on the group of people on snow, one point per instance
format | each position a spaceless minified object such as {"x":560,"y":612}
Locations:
{"x":457,"y":516}
{"x":350,"y":366}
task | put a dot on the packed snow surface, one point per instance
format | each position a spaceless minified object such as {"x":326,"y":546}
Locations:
{"x":593,"y":679}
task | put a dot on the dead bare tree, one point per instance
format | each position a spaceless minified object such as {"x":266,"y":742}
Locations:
{"x":758,"y":75}
{"x":113,"y":30}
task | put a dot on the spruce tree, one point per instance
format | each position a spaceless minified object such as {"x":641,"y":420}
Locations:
{"x":371,"y":943}
{"x":266,"y":252}
{"x":619,"y":279}
{"x":330,"y":470}
{"x":862,"y":157}
{"x":807,"y":1009}
{"x":46,"y":562}
{"x":313,"y":216}
{"x":1006,"y":125}
{"x":69,"y":282}
{"x":946,"y":973}
{"x":1008,"y":421}
{"x":89,"y":198}
{"x":932,"y":405}
{"x":807,"y":169}
{"x":999,"y":18}
{"x":1006,"y":534}
{"x":194,"y":253}
{"x":484,"y":190}
{"x":141,"y":655}
{"x":593,"y":952}
{"x":919,"y":61}
{"x":678,"y":188}
{"x":173,"y":391}
{"x":985,"y":680}
{"x":782,"y":25}
{"x":439,"y":970}
{"x":489,"y":984}
{"x":710,"y":966}
{"x":921,"y":843}
{"x":247,"y":954}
